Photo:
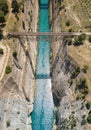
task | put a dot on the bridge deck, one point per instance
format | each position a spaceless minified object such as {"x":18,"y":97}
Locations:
{"x":50,"y":34}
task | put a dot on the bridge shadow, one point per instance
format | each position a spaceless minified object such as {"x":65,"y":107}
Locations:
{"x":27,"y":54}
{"x":43,"y":76}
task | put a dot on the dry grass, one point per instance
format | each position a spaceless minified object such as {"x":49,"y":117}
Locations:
{"x":82,"y":55}
{"x":78,"y":12}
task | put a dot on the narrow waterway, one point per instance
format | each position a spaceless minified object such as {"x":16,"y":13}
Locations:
{"x":43,"y":112}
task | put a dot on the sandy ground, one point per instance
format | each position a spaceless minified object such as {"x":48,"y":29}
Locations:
{"x":3,"y":59}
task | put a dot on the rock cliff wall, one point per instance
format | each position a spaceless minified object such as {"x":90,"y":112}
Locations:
{"x":17,"y":93}
{"x":70,"y":109}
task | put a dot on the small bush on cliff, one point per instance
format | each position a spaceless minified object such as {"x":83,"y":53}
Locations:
{"x":82,"y":86}
{"x":15,"y":54}
{"x":4,"y":6}
{"x":84,"y":121}
{"x":68,"y":23}
{"x":17,"y":128}
{"x":89,"y":118}
{"x":8,"y":69}
{"x":15,"y":6}
{"x":89,"y":39}
{"x":68,"y":40}
{"x":1,"y":51}
{"x":85,"y":68}
{"x":8,"y":123}
{"x":88,"y":105}
{"x":82,"y":37}
{"x":75,"y":72}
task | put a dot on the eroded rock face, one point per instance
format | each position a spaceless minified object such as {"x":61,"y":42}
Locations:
{"x":69,"y":111}
{"x":17,"y":93}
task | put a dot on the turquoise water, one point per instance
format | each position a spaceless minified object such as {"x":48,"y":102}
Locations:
{"x":43,"y":112}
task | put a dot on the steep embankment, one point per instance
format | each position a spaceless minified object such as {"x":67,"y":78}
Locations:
{"x":17,"y":93}
{"x":68,"y":84}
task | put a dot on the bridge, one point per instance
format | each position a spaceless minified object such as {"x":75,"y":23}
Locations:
{"x":46,"y":36}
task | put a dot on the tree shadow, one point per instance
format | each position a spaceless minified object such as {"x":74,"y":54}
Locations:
{"x":27,"y":54}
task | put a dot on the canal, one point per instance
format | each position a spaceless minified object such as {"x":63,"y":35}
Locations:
{"x":43,"y":112}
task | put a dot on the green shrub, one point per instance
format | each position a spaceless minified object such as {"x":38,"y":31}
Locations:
{"x":73,"y":123}
{"x":70,"y":81}
{"x":68,"y":40}
{"x":15,"y":6}
{"x":68,"y":23}
{"x":89,"y":118}
{"x":82,"y":83}
{"x":14,"y":54}
{"x":4,"y":6}
{"x":89,"y":39}
{"x":82,"y":37}
{"x":1,"y":51}
{"x":82,"y":86}
{"x":18,"y":112}
{"x":88,"y":105}
{"x":85,"y":68}
{"x":77,"y":43}
{"x":2,"y":17}
{"x":8,"y":123}
{"x":84,"y":121}
{"x":1,"y":34}
{"x":75,"y":72}
{"x":8,"y":69}
{"x":17,"y":128}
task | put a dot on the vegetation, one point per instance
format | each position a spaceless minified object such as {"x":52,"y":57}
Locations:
{"x":2,"y":18}
{"x":84,"y":121}
{"x":89,"y":118}
{"x":82,"y":86}
{"x":8,"y":69}
{"x":14,"y":54}
{"x":8,"y":123}
{"x":18,"y":112}
{"x":1,"y":33}
{"x":79,"y":40}
{"x":4,"y":6}
{"x":75,"y":72}
{"x":88,"y":105}
{"x":15,"y":6}
{"x":1,"y":51}
{"x":3,"y":12}
{"x":89,"y":39}
{"x":17,"y":128}
{"x":68,"y":40}
{"x":85,"y":68}
{"x":82,"y":37}
{"x":68,"y":23}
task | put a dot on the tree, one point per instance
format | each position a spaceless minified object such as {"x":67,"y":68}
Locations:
{"x":89,"y":118}
{"x":68,"y":23}
{"x":1,"y":33}
{"x":1,"y":51}
{"x":89,"y":39}
{"x":15,"y":6}
{"x":2,"y":18}
{"x":8,"y":69}
{"x":82,"y":37}
{"x":8,"y":123}
{"x":4,"y":6}
{"x":14,"y":54}
{"x":85,"y":68}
